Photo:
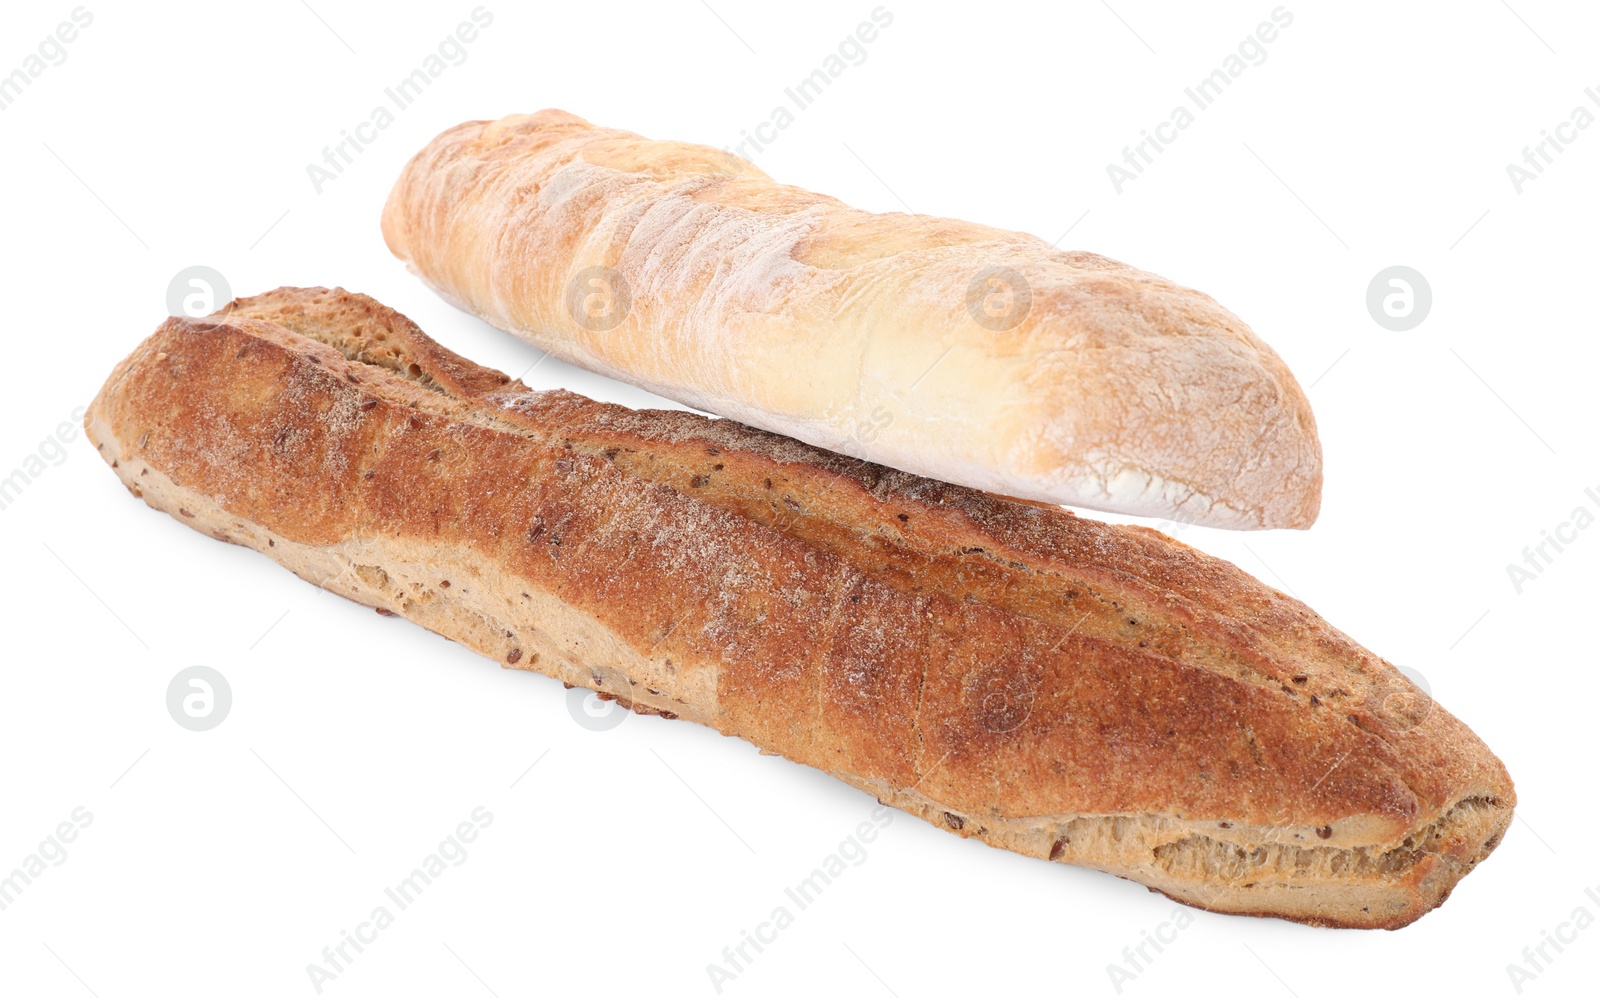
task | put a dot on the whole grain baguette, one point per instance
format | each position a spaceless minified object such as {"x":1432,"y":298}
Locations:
{"x":965,"y":353}
{"x":1080,"y":692}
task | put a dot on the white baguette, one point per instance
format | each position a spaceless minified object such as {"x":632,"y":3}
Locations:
{"x":952,"y":350}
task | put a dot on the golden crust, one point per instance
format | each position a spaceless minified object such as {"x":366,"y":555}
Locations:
{"x":1112,"y":389}
{"x":1094,"y":694}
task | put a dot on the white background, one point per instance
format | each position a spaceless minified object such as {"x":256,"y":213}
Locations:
{"x":223,"y":862}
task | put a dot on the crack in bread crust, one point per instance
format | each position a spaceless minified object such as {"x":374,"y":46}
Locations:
{"x":1252,"y":870}
{"x":1001,"y":668}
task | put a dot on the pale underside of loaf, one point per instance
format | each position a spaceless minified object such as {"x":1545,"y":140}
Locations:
{"x":1090,"y":694}
{"x":1110,"y":388}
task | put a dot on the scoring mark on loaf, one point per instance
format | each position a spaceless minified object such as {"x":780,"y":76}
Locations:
{"x":998,"y":709}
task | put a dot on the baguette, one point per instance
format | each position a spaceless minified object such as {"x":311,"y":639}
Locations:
{"x":1080,"y":692}
{"x":957,"y":351}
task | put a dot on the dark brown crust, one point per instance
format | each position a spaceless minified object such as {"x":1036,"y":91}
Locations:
{"x":1007,"y":660}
